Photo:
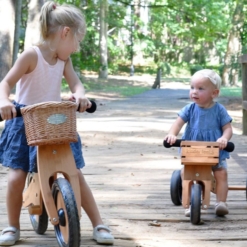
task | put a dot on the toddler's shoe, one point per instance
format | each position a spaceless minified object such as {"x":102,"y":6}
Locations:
{"x":102,"y":237}
{"x":9,"y":239}
{"x":221,"y":209}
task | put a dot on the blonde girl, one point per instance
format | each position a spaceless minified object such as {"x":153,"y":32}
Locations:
{"x":37,"y":74}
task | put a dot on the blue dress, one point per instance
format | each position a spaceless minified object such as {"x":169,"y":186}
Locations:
{"x":205,"y":124}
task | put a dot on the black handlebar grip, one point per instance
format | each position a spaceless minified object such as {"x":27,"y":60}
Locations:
{"x":18,"y":113}
{"x":229,"y":147}
{"x":91,"y":109}
{"x":176,"y":144}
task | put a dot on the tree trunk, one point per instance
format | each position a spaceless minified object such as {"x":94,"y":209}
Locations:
{"x":103,"y":72}
{"x":32,"y":31}
{"x":233,"y":46}
{"x":157,"y":79}
{"x":17,"y":29}
{"x":7,"y":28}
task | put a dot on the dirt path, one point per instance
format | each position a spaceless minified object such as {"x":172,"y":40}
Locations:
{"x":129,"y":172}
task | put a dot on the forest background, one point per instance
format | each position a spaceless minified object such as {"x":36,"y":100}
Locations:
{"x":172,"y":38}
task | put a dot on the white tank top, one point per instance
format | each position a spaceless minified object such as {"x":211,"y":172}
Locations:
{"x":42,"y":84}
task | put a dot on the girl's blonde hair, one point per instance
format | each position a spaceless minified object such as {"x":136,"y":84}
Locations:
{"x":54,"y":16}
{"x":211,"y":75}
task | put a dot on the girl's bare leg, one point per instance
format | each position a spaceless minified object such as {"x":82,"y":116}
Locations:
{"x":88,"y":203}
{"x":16,"y":184}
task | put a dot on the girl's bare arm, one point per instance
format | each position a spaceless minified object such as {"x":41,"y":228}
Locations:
{"x":76,"y":86}
{"x":23,"y":65}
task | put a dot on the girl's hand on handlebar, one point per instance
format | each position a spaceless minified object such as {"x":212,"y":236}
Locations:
{"x":7,"y":109}
{"x":222,"y":142}
{"x":82,"y":102}
{"x":171,"y":139}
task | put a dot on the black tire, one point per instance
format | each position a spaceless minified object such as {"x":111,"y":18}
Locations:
{"x":176,"y":188}
{"x":39,"y":222}
{"x":195,"y":210}
{"x":68,"y":230}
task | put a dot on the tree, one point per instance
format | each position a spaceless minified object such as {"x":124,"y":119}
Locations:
{"x":17,"y":29}
{"x":32,"y":31}
{"x":103,"y":72}
{"x":7,"y":28}
{"x":233,"y":46}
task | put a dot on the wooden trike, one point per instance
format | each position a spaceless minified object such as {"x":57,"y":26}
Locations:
{"x":193,"y":191}
{"x":53,"y":192}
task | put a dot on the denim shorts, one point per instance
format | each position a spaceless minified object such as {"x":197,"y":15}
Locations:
{"x":15,"y":152}
{"x":222,"y":164}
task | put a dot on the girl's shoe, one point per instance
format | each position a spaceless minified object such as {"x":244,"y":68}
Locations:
{"x":9,"y":239}
{"x":102,"y":237}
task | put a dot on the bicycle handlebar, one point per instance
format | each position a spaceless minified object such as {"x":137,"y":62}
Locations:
{"x":92,"y":109}
{"x":89,"y":110}
{"x":229,"y":147}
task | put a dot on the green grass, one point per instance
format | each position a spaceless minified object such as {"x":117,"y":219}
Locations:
{"x":125,"y":88}
{"x":125,"y":91}
{"x":231,"y":92}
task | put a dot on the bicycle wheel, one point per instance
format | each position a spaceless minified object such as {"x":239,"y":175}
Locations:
{"x":195,"y":211}
{"x":68,"y":230}
{"x":39,"y":222}
{"x":176,"y":188}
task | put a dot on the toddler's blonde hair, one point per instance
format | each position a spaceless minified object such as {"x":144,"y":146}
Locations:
{"x":54,"y":16}
{"x":211,"y":75}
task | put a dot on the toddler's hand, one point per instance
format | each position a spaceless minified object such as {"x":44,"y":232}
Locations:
{"x":222,"y":142}
{"x":7,"y":109}
{"x":171,"y":139}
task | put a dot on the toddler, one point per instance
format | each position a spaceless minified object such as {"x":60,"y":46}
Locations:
{"x":206,"y":120}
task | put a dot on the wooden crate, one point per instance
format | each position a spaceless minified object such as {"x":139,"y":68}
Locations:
{"x":198,"y":153}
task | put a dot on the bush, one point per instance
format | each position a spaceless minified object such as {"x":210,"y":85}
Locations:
{"x":195,"y":68}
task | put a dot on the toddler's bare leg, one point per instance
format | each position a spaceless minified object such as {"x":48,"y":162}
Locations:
{"x":182,"y":174}
{"x":16,"y":184}
{"x":221,"y":184}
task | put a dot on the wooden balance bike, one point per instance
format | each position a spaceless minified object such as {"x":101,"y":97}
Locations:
{"x":193,"y":191}
{"x":53,"y":192}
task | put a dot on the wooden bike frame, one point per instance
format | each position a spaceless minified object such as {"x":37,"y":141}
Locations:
{"x":52,"y":160}
{"x":198,"y":159}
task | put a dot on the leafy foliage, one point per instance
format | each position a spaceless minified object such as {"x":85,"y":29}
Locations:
{"x":185,"y":33}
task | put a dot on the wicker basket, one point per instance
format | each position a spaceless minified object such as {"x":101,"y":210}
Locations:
{"x":50,"y":123}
